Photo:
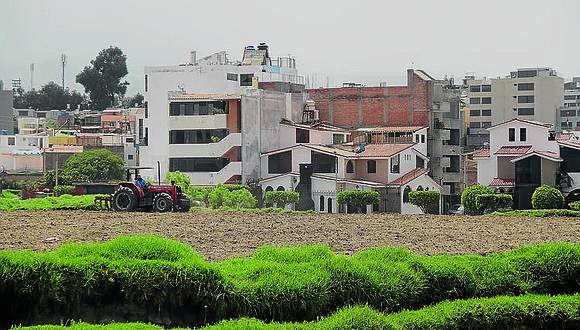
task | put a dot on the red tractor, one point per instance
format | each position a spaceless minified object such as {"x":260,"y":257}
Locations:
{"x":131,"y":196}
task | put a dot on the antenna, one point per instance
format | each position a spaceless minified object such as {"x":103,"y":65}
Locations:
{"x":63,"y":62}
{"x":31,"y":76}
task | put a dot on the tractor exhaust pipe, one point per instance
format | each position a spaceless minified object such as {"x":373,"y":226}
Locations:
{"x":158,"y":173}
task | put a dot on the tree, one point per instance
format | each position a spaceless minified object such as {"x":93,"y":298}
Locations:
{"x":99,"y":165}
{"x":425,"y":200}
{"x":102,"y":78}
{"x":50,"y":96}
{"x":547,"y":197}
{"x":469,"y":198}
{"x":358,"y":198}
{"x":130,"y":102}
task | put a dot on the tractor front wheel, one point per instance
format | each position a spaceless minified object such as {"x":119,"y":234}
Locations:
{"x":162,"y":203}
{"x":124,"y":200}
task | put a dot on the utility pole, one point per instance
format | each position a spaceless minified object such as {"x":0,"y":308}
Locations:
{"x":31,"y":76}
{"x":63,"y":62}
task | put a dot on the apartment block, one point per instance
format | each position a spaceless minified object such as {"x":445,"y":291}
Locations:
{"x":570,"y":113}
{"x":6,"y":113}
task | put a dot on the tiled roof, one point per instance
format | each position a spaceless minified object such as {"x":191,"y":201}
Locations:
{"x":409,"y":176}
{"x":382,"y":150}
{"x":513,"y":150}
{"x":405,"y":129}
{"x":542,"y":153}
{"x":481,"y":153}
{"x":565,"y":136}
{"x":570,"y":143}
{"x":498,"y":182}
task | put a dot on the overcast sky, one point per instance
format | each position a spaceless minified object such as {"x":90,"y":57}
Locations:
{"x":359,"y":41}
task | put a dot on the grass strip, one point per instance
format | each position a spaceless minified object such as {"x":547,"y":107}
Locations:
{"x":10,"y":202}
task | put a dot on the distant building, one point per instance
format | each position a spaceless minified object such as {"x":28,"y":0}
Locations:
{"x":570,"y":114}
{"x":6,"y":113}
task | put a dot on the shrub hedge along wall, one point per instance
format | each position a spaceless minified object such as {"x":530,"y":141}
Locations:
{"x":546,"y":197}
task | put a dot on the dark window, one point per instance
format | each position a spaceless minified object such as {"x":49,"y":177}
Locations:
{"x":417,"y":138}
{"x":322,"y":201}
{"x":406,"y":194}
{"x":526,"y":86}
{"x":11,"y":141}
{"x":145,"y":141}
{"x":338,"y":139}
{"x":146,"y":109}
{"x":140,"y":128}
{"x":419,"y":162}
{"x":474,"y":100}
{"x":525,"y":111}
{"x":523,"y":134}
{"x":486,"y":100}
{"x":23,"y":113}
{"x":526,"y":99}
{"x":200,"y":164}
{"x":527,"y":74}
{"x":349,"y":167}
{"x":371,"y":166}
{"x":567,"y":113}
{"x":280,"y":163}
{"x":323,"y":163}
{"x":196,"y":136}
{"x":475,"y":88}
{"x":485,"y":124}
{"x":571,"y":160}
{"x":396,"y":164}
{"x":474,"y":113}
{"x":280,"y":188}
{"x":419,"y":188}
{"x":566,"y":124}
{"x":528,"y":171}
{"x":474,"y":124}
{"x":130,"y":157}
{"x":512,"y":134}
{"x":486,"y":112}
{"x":422,"y":138}
{"x":246,"y":79}
{"x":146,"y":83}
{"x":198,"y":108}
{"x":302,"y":135}
{"x":129,"y":140}
{"x":232,"y":76}
{"x":566,"y":97}
{"x":329,"y":205}
{"x":486,"y":88}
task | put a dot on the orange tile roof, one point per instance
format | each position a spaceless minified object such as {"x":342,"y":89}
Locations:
{"x":406,"y":129}
{"x":409,"y":176}
{"x":481,"y":153}
{"x":498,"y":182}
{"x":513,"y":150}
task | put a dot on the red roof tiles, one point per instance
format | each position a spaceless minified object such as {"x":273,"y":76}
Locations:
{"x":513,"y":150}
{"x":499,"y":182}
{"x":409,"y":176}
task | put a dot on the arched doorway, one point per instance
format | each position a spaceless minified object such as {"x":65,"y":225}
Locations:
{"x":321,"y":204}
{"x":329,"y":205}
{"x":280,"y":188}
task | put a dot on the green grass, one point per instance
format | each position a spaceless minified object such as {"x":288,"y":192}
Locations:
{"x":11,"y":202}
{"x":157,"y":276}
{"x":538,"y":213}
{"x":537,"y":311}
{"x":265,"y":210}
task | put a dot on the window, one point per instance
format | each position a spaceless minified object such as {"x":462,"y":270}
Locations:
{"x":474,"y":113}
{"x":417,"y":138}
{"x":145,"y":141}
{"x":197,"y":136}
{"x":198,"y":108}
{"x":146,"y":83}
{"x":566,"y":97}
{"x":422,"y":138}
{"x":526,"y":86}
{"x":396,"y":164}
{"x":485,"y":124}
{"x":329,"y":205}
{"x":302,"y":135}
{"x":146,"y":104}
{"x":130,"y":157}
{"x":566,"y":124}
{"x":486,"y":88}
{"x":419,"y":188}
{"x":486,"y":100}
{"x":526,"y":99}
{"x":323,"y":163}
{"x":280,"y":163}
{"x":474,"y":124}
{"x":525,"y":111}
{"x":486,"y":112}
{"x":140,"y":128}
{"x":322,"y":203}
{"x":512,"y":134}
{"x":474,"y":100}
{"x":349,"y":167}
{"x":371,"y":166}
{"x":23,"y":113}
{"x":475,"y":88}
{"x":11,"y":141}
{"x":406,"y":194}
{"x":419,"y":162}
{"x":246,"y":79}
{"x":232,"y":76}
{"x":280,"y":188}
{"x":338,"y":139}
{"x":129,"y":140}
{"x":523,"y":134}
{"x":200,"y":164}
{"x":527,"y":74}
{"x":567,"y":113}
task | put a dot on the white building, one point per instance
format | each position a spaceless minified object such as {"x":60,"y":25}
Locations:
{"x":525,"y":154}
{"x":570,"y":114}
{"x":22,"y":152}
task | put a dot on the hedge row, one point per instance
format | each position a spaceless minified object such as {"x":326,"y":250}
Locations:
{"x":538,"y":213}
{"x":533,"y":311}
{"x":64,"y":202}
{"x":152,"y":279}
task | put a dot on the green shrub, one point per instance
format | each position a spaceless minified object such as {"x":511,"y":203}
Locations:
{"x":469,"y":197}
{"x":575,"y":206}
{"x":546,"y":197}
{"x":216,"y":196}
{"x":358,"y":198}
{"x":281,"y":198}
{"x":426,"y":200}
{"x":63,"y":190}
{"x":200,"y":194}
{"x":494,"y":202}
{"x":241,"y":198}
{"x":63,"y":202}
{"x":182,"y":180}
{"x":232,"y":187}
{"x":539,"y":213}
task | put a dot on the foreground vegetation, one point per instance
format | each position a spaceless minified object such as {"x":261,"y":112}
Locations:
{"x":11,"y":202}
{"x":547,"y":312}
{"x":163,"y":279}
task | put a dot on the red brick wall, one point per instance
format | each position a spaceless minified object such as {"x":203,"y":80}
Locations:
{"x":375,"y":106}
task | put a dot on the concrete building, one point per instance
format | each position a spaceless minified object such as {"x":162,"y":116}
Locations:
{"x":22,"y":152}
{"x":211,"y":119}
{"x":525,"y":154}
{"x":529,"y":93}
{"x":570,"y":114}
{"x":6,"y":113}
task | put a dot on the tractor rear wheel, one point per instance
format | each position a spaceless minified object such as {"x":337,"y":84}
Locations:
{"x":183,"y":203}
{"x":162,"y":203}
{"x":124,"y":200}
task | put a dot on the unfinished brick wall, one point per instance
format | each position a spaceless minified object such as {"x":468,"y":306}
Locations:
{"x":376,"y":106}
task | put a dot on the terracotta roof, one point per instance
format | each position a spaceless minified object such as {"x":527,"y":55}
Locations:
{"x":65,"y":149}
{"x":382,"y":150}
{"x":570,"y":143}
{"x":207,"y":96}
{"x":405,"y":129}
{"x":513,"y":150}
{"x":542,"y":153}
{"x":565,"y":136}
{"x":481,"y":153}
{"x":352,"y":181}
{"x":531,"y":122}
{"x":409,"y":176}
{"x":498,"y":182}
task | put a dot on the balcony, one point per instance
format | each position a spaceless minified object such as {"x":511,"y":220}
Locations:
{"x":206,"y":150}
{"x":198,"y":122}
{"x":213,"y":178}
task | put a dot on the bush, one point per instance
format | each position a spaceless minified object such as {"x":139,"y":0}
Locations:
{"x":63,"y":190}
{"x":539,"y":213}
{"x":426,"y":200}
{"x":280,"y":199}
{"x":98,"y":165}
{"x":180,"y":179}
{"x":63,"y":202}
{"x":469,"y":198}
{"x":358,"y":198}
{"x":494,"y":202}
{"x":216,"y":196}
{"x":575,"y":206}
{"x":546,"y":197}
{"x":239,"y":199}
